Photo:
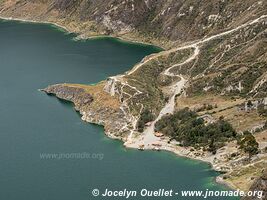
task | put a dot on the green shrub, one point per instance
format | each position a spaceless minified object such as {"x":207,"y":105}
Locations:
{"x":265,"y":125}
{"x":262,"y":111}
{"x":145,"y":117}
{"x":189,"y":129}
{"x":249,"y":144}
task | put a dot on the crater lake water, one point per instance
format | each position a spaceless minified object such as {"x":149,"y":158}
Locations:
{"x":33,"y":56}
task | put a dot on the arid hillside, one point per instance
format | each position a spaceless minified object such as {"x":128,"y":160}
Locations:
{"x":158,"y":21}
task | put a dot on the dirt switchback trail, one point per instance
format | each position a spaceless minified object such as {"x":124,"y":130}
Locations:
{"x":176,"y":88}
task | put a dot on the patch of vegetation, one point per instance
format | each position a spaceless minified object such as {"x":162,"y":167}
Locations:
{"x":147,"y":80}
{"x":246,"y":78}
{"x":146,"y":116}
{"x":251,"y":75}
{"x":196,"y":87}
{"x":189,"y":129}
{"x":262,"y":110}
{"x":249,"y":144}
{"x":222,"y":80}
{"x":262,"y":91}
{"x":206,"y":107}
{"x":207,"y":53}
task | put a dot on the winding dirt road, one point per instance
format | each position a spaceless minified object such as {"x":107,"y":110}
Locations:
{"x":148,"y":135}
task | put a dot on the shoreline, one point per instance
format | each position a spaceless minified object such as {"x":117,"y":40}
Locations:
{"x":168,"y":148}
{"x":79,"y":36}
{"x":65,"y":29}
{"x":217,"y":179}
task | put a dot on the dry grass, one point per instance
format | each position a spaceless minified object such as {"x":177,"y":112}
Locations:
{"x":261,"y":139}
{"x":241,"y":120}
{"x":198,"y":101}
{"x":243,"y":177}
{"x":101,"y":98}
{"x":262,"y":136}
{"x":226,"y":107}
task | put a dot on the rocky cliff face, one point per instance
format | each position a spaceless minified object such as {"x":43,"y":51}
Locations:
{"x":259,"y":185}
{"x":95,"y":106}
{"x":77,"y":95}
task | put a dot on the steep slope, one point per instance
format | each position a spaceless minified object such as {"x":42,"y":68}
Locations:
{"x":259,"y":185}
{"x":158,"y":21}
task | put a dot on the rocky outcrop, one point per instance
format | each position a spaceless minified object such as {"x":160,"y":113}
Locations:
{"x":259,"y":185}
{"x":76,"y":95}
{"x":94,"y":107}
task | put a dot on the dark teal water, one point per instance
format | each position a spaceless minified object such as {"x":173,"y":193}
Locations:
{"x":33,"y":56}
